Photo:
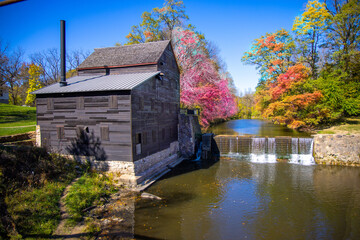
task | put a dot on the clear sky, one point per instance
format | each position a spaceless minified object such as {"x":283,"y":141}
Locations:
{"x":34,"y":25}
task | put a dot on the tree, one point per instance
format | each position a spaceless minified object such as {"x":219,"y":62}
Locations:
{"x":201,"y":85}
{"x":159,"y":23}
{"x":246,"y":104}
{"x":50,"y":63}
{"x":13,"y":72}
{"x":310,"y":30}
{"x":271,"y":54}
{"x":294,"y":102}
{"x":344,"y":32}
{"x":34,"y":83}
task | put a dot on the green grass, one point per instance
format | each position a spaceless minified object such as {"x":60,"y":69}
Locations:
{"x":32,"y":182}
{"x":12,"y":117}
{"x":36,"y":210}
{"x":16,"y":130}
{"x":326,"y":132}
{"x":347,"y":126}
{"x":89,"y":190}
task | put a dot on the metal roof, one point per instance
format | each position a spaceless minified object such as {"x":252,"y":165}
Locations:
{"x":98,"y":83}
{"x":125,"y":55}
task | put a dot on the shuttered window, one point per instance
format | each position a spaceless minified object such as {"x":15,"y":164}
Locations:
{"x":60,"y":132}
{"x":104,"y":132}
{"x":113,"y":102}
{"x":50,"y":104}
{"x":80,"y":103}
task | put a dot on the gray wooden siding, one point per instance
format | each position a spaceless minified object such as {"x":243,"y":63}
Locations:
{"x":108,"y":117}
{"x":155,"y":108}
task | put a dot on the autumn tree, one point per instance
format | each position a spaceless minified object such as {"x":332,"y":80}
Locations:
{"x":309,"y":29}
{"x":246,"y":104}
{"x":159,"y":23}
{"x":34,"y":83}
{"x":204,"y":81}
{"x":201,"y":85}
{"x":13,"y":72}
{"x":272,"y":54}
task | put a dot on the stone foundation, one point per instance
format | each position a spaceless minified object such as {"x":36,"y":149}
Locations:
{"x":38,"y":136}
{"x":143,"y":170}
{"x":337,"y":149}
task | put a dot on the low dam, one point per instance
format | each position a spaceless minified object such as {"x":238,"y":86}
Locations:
{"x":267,"y":149}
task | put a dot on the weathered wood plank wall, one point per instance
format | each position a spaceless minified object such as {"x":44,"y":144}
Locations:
{"x":66,"y":114}
{"x":155,"y":108}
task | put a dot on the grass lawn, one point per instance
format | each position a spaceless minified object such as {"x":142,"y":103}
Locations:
{"x":86,"y":192}
{"x":16,"y":119}
{"x":32,"y":182}
{"x":349,"y":126}
{"x":36,"y":210}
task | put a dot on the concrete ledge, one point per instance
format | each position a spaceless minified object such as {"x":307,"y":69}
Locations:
{"x":337,"y":149}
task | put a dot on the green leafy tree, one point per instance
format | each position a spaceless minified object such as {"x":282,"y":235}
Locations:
{"x":34,"y":83}
{"x":344,"y":35}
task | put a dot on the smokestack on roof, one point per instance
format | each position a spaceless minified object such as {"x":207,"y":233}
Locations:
{"x":62,"y":54}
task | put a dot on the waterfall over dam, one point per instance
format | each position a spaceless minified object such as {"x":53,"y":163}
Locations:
{"x":267,"y":149}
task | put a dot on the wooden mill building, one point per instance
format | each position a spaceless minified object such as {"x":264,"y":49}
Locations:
{"x":126,"y":101}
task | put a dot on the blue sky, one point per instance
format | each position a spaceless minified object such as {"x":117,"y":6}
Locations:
{"x":33,"y":25}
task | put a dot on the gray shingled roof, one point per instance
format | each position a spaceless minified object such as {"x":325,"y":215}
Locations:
{"x":98,"y":83}
{"x":125,"y":55}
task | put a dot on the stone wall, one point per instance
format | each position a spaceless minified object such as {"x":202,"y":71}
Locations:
{"x":189,"y":127}
{"x":141,"y":171}
{"x":337,"y":149}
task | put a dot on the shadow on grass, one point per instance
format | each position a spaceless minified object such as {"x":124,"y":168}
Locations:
{"x":353,"y":121}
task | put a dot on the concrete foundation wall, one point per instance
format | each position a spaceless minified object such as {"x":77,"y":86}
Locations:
{"x":337,"y":149}
{"x":141,"y":171}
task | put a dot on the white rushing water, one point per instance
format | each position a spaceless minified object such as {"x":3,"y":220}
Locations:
{"x":303,"y":152}
{"x":266,"y":150}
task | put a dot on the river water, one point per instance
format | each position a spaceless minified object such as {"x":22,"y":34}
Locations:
{"x":256,"y":127}
{"x":238,"y":198}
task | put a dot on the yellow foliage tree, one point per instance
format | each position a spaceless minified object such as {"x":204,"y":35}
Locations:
{"x":34,"y":84}
{"x":309,"y":29}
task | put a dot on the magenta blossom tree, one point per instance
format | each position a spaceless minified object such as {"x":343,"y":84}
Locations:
{"x":201,"y":85}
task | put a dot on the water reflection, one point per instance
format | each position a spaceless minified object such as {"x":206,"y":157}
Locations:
{"x":254,"y":127}
{"x":238,"y":199}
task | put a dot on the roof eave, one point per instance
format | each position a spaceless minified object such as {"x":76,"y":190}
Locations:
{"x":118,"y":66}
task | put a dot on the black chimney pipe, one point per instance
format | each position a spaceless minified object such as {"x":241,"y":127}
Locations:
{"x":63,"y":54}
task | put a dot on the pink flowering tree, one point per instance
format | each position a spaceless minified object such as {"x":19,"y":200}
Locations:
{"x":201,"y":85}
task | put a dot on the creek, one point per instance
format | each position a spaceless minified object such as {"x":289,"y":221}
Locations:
{"x":247,"y":194}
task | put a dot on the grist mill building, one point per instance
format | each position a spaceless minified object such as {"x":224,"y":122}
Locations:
{"x":124,"y":102}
